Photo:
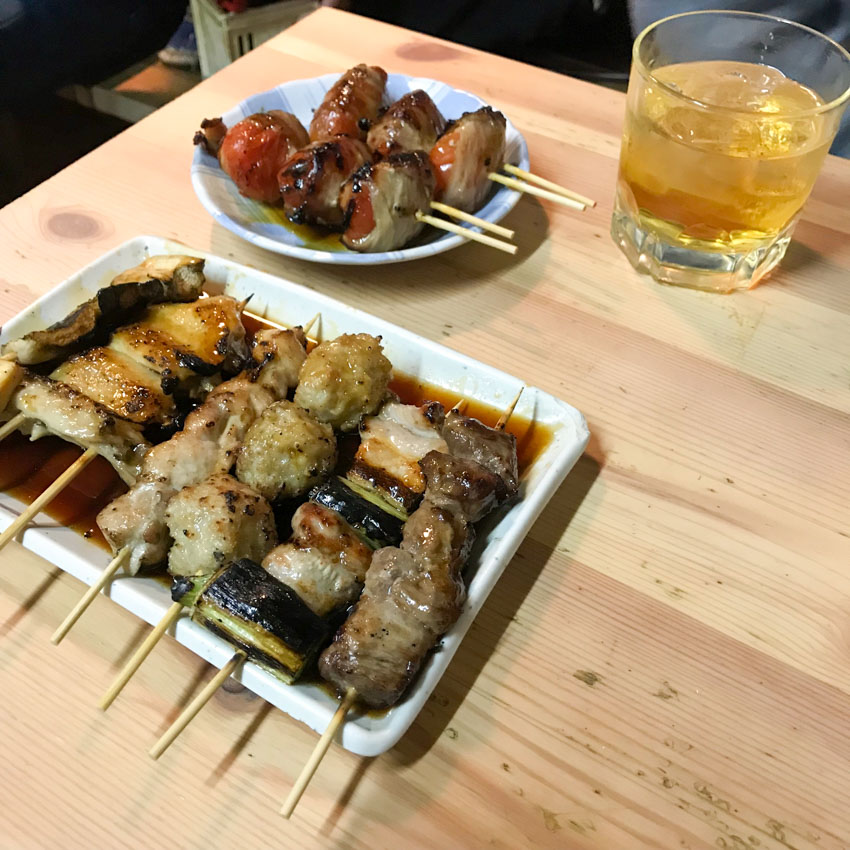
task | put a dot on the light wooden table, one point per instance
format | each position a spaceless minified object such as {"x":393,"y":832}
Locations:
{"x":666,"y":662}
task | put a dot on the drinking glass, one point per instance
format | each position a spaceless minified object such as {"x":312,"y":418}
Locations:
{"x":729,"y":116}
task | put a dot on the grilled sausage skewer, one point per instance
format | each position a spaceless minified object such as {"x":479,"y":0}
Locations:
{"x":466,"y":492}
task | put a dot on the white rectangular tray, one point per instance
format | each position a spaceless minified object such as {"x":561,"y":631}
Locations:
{"x":287,"y":302}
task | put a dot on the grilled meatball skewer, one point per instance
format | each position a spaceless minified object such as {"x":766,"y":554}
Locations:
{"x":412,"y":123}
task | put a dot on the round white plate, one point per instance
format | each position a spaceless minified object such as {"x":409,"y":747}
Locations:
{"x":261,"y":225}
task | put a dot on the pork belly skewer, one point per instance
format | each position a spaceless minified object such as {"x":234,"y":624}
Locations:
{"x":134,"y":524}
{"x":418,"y":585}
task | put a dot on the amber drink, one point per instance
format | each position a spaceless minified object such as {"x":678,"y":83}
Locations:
{"x":720,"y":154}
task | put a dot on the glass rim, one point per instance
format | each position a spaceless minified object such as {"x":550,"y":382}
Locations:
{"x":679,"y":95}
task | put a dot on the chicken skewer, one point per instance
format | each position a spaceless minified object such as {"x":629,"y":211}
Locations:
{"x":135,"y":522}
{"x":460,"y":490}
{"x":284,"y":451}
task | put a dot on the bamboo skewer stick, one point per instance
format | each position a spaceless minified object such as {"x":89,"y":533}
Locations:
{"x":548,"y":184}
{"x":48,"y":495}
{"x":324,"y":742}
{"x":12,"y":425}
{"x":318,"y":753}
{"x":79,"y":609}
{"x":454,"y":212}
{"x":509,"y":410}
{"x":196,"y":705}
{"x":511,"y":183}
{"x":144,"y":650}
{"x":466,"y":232}
{"x":309,"y":326}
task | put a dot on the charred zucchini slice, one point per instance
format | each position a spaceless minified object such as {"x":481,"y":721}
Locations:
{"x":262,"y":616}
{"x":374,"y":525}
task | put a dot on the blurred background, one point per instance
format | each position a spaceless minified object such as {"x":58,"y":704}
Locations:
{"x":73,"y":73}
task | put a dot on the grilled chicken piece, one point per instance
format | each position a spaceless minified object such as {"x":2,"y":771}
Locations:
{"x":493,"y":448}
{"x":11,"y":376}
{"x":459,"y":485}
{"x":215,"y":522}
{"x":134,"y":375}
{"x":159,"y":278}
{"x":119,"y":383}
{"x":207,"y":444}
{"x":324,"y":562}
{"x":55,"y":408}
{"x":411,"y":597}
{"x":412,"y":123}
{"x":465,"y":154}
{"x":381,"y":201}
{"x":286,"y":451}
{"x":391,"y":445}
{"x":351,"y":105}
{"x":252,"y":152}
{"x":310,"y":180}
{"x":343,"y":379}
{"x":279,"y":356}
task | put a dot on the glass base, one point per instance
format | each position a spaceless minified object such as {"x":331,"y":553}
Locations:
{"x":715,"y":271}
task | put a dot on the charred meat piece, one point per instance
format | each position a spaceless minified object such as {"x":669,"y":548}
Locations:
{"x":279,"y":355}
{"x":391,"y":445}
{"x":311,"y":179}
{"x":215,"y":522}
{"x":252,"y":152}
{"x":55,"y":408}
{"x":159,"y":278}
{"x":462,"y":486}
{"x":465,"y":154}
{"x":412,"y":123}
{"x":286,"y":452}
{"x":412,"y":596}
{"x":255,"y":612}
{"x":343,"y":379}
{"x":208,"y":443}
{"x":119,"y":383}
{"x":381,"y":201}
{"x":493,"y":448}
{"x":351,"y":104}
{"x":135,"y":375}
{"x":324,"y":562}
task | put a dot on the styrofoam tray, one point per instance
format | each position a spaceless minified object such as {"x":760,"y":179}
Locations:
{"x":287,"y":302}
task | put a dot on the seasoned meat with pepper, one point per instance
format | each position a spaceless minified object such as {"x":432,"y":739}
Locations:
{"x":465,"y":154}
{"x":286,"y":452}
{"x":412,"y":595}
{"x":215,"y":522}
{"x":392,"y":443}
{"x":343,"y":379}
{"x":493,"y":448}
{"x":462,"y":486}
{"x":324,"y":562}
{"x":252,"y":152}
{"x":381,"y":201}
{"x":412,"y":123}
{"x":311,"y":179}
{"x":351,"y":105}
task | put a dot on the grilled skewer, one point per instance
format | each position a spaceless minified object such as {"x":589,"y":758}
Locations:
{"x":414,"y":593}
{"x":351,"y":105}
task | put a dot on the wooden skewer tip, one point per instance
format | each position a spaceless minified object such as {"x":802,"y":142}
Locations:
{"x":196,"y":705}
{"x":548,"y":184}
{"x":509,"y":410}
{"x":318,"y":753}
{"x":472,"y":235}
{"x":21,"y":521}
{"x":144,"y":650}
{"x":79,"y":609}
{"x":311,"y":324}
{"x":519,"y":186}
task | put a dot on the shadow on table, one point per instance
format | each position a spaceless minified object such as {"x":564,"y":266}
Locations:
{"x":29,"y":603}
{"x":496,"y":615}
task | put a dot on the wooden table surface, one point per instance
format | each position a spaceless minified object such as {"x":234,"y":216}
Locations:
{"x":665,"y":663}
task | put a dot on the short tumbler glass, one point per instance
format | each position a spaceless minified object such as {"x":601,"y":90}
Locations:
{"x":729,"y":117}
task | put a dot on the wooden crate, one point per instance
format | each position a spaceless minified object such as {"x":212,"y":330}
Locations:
{"x":225,"y":36}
